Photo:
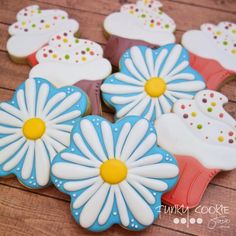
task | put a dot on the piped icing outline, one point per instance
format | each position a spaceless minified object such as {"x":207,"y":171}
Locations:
{"x":33,"y":30}
{"x":216,"y":42}
{"x":75,"y":171}
{"x":125,"y":90}
{"x":58,"y":109}
{"x":67,"y":60}
{"x":210,"y":128}
{"x":142,"y":21}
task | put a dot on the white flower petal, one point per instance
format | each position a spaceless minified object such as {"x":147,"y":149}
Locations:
{"x":60,"y":136}
{"x":160,"y":58}
{"x":160,"y":170}
{"x":120,"y":100}
{"x":107,"y":138}
{"x":10,"y":138}
{"x":42,"y":163}
{"x":139,"y":62}
{"x":91,"y":137}
{"x":30,"y":96}
{"x":12,"y":111}
{"x":93,"y":207}
{"x":8,"y":130}
{"x":65,"y":105}
{"x":186,"y":76}
{"x":135,"y":136}
{"x":78,"y":185}
{"x":150,"y":112}
{"x":171,"y":60}
{"x":107,"y":208}
{"x":54,"y":143}
{"x":20,"y":95}
{"x":165,"y":105}
{"x":179,"y":68}
{"x":53,"y":101}
{"x":181,"y":95}
{"x":190,"y":86}
{"x":150,"y":62}
{"x":131,"y":68}
{"x":127,"y":79}
{"x":76,"y":159}
{"x":72,"y":171}
{"x":121,"y":89}
{"x":158,"y":109}
{"x":66,"y":117}
{"x":28,"y":162}
{"x":155,"y":184}
{"x":15,"y":160}
{"x":79,"y":142}
{"x":144,"y":161}
{"x":121,"y":139}
{"x":138,"y":207}
{"x":7,"y":119}
{"x":125,"y":109}
{"x":169,"y":95}
{"x":10,"y":150}
{"x":139,"y":109}
{"x":66,"y":128}
{"x":144,"y":147}
{"x":122,"y":209}
{"x":86,"y":195}
{"x":143,"y":191}
{"x":42,"y":99}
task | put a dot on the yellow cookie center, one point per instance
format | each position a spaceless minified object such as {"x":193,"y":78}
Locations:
{"x":155,"y":87}
{"x":113,"y":171}
{"x":34,"y":128}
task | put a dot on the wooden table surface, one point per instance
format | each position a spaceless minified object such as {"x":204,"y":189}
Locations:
{"x":47,"y":212}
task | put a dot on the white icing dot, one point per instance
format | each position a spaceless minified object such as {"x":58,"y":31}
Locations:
{"x":151,"y":129}
{"x":170,"y":159}
{"x":116,"y":129}
{"x":56,"y":180}
{"x":58,"y":185}
{"x":60,"y":182}
{"x":72,"y":149}
{"x":154,"y":193}
{"x":132,"y":220}
{"x":32,"y":177}
{"x":97,"y":124}
{"x":112,"y":80}
{"x":72,"y":121}
{"x":34,"y":183}
{"x":97,"y":119}
{"x":30,"y":182}
{"x":38,"y":81}
{"x":167,"y":158}
{"x":12,"y":102}
{"x":74,"y":195}
{"x":136,"y":226}
{"x":132,"y":225}
{"x":76,"y":213}
{"x":72,"y":90}
{"x":18,"y":169}
{"x":114,"y":213}
{"x":93,"y":120}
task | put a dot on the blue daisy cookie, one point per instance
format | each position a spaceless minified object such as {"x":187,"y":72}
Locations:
{"x":34,"y":126}
{"x":114,"y":173}
{"x":151,"y":81}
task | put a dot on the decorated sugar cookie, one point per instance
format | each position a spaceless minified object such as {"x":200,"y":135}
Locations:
{"x":33,"y":29}
{"x":202,"y":137}
{"x":34,"y":126}
{"x":213,"y":52}
{"x":114,"y":173}
{"x":68,"y":60}
{"x":143,"y":23}
{"x":150,"y":81}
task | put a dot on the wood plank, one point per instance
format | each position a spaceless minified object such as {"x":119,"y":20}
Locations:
{"x":24,"y":213}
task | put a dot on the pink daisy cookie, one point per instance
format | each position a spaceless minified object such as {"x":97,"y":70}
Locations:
{"x":202,"y":137}
{"x":68,"y":60}
{"x":213,"y":52}
{"x":33,"y":29}
{"x":143,"y":23}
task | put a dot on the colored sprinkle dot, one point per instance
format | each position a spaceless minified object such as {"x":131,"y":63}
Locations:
{"x":42,"y":21}
{"x":55,"y":17}
{"x":193,"y":114}
{"x":218,"y":33}
{"x":23,"y":23}
{"x":47,"y":26}
{"x":45,"y":55}
{"x":83,"y":58}
{"x":234,"y":31}
{"x":220,"y":138}
{"x":209,"y":109}
{"x":39,"y":11}
{"x":50,"y":50}
{"x":83,"y":52}
{"x":199,"y":126}
{"x":182,"y":106}
{"x":67,"y":57}
{"x":65,"y":34}
{"x":206,"y":137}
{"x":34,"y":25}
{"x":58,"y":37}
{"x":225,"y":43}
{"x":143,"y":15}
{"x":212,"y":95}
{"x":87,"y":49}
{"x":151,"y":25}
{"x":54,"y":56}
{"x":63,"y":17}
{"x":76,"y":40}
{"x":91,"y":53}
{"x":185,"y":116}
{"x":65,"y":40}
{"x":221,"y":115}
{"x":231,"y":133}
{"x":213,"y":104}
{"x":167,"y":26}
{"x":233,"y":51}
{"x":231,"y":140}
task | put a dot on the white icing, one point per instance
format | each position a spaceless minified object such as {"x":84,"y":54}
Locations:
{"x":33,"y":31}
{"x":143,"y":66}
{"x":214,"y":42}
{"x":108,"y":139}
{"x":203,"y":121}
{"x":146,"y":160}
{"x":77,"y":185}
{"x":142,"y":21}
{"x":28,"y":162}
{"x":77,"y":159}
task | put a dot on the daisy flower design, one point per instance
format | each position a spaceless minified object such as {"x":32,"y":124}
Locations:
{"x":34,"y":126}
{"x":114,"y":173}
{"x":150,"y":81}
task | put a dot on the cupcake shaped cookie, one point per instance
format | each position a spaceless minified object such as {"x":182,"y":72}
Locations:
{"x":33,"y":29}
{"x":114,"y":173}
{"x":150,"y":81}
{"x":68,"y":60}
{"x":143,"y":23}
{"x":34,"y":126}
{"x":202,"y":137}
{"x":213,"y":52}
